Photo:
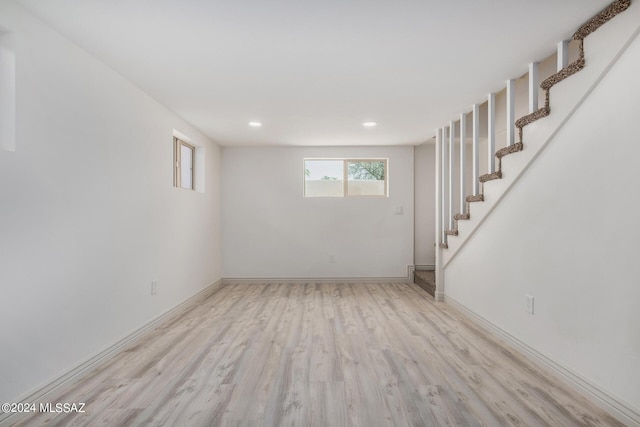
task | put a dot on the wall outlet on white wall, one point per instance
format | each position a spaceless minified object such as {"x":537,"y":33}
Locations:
{"x":529,"y":304}
{"x":332,"y":258}
{"x":154,"y":287}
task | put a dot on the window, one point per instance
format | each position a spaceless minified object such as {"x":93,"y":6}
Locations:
{"x":184,"y":159}
{"x":345,"y":177}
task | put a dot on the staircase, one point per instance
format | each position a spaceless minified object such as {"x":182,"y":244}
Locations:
{"x":536,"y":132}
{"x":545,"y":223}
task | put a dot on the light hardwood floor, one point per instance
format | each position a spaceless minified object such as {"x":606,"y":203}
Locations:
{"x":321,"y":355}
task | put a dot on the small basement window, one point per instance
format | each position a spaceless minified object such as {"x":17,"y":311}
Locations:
{"x":345,"y":177}
{"x":184,"y":155}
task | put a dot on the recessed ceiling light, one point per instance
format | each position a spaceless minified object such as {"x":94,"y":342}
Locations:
{"x":369,"y":124}
{"x":255,"y":124}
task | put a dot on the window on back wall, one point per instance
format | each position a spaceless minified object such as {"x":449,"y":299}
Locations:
{"x":184,"y":155}
{"x":345,"y":177}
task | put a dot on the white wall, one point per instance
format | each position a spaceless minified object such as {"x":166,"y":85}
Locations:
{"x":424,"y":200}
{"x":567,"y":235}
{"x":272,"y":231}
{"x":88,"y":214}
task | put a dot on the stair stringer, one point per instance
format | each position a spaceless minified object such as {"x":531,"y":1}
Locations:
{"x":602,"y":50}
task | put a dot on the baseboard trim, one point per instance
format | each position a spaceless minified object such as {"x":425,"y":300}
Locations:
{"x":296,"y":280}
{"x":426,"y":267}
{"x":618,"y":408}
{"x":302,"y":280}
{"x":41,"y":393}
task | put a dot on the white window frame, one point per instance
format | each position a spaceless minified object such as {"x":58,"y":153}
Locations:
{"x":177,"y":162}
{"x":345,"y":176}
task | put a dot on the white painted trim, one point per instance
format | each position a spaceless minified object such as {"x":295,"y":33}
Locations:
{"x":41,"y":393}
{"x":611,"y":403}
{"x":425,"y":267}
{"x":300,"y":280}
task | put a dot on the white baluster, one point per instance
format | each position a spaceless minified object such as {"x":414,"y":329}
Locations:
{"x":439,"y":181}
{"x":491,"y":133}
{"x":563,"y":54}
{"x":511,"y":112}
{"x":533,"y":87}
{"x":452,"y":136}
{"x":445,"y":177}
{"x":463,"y":163}
{"x":476,"y":150}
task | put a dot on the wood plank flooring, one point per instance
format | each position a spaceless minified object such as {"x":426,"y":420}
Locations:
{"x":321,"y":355}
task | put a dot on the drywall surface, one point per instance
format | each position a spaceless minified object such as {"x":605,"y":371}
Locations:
{"x":424,"y":201}
{"x":89,"y":216}
{"x":271,"y":231}
{"x":566,"y":235}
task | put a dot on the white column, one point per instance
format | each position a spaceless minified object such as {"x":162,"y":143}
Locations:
{"x":563,"y":54}
{"x":463,"y":163}
{"x":511,"y":112}
{"x":445,"y":178}
{"x":533,"y":87}
{"x":452,"y":178}
{"x":491,"y":133}
{"x":476,"y":150}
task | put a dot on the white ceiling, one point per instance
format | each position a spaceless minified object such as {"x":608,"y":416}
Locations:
{"x":313,"y":71}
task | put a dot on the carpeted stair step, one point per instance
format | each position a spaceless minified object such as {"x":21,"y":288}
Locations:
{"x":444,"y":246}
{"x":530,"y":118}
{"x":601,"y":18}
{"x":476,"y":198}
{"x":426,"y":280}
{"x":490,"y":176}
{"x":567,"y":71}
{"x":461,"y":216}
{"x":453,"y":232}
{"x":509,"y":150}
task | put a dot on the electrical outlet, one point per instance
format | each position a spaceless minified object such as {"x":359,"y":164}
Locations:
{"x":332,"y":258}
{"x":154,"y":287}
{"x":530,"y":300}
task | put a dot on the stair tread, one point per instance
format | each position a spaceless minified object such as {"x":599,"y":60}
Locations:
{"x":490,"y":176}
{"x":530,"y":118}
{"x":509,"y":150}
{"x":601,"y":18}
{"x":426,"y":279}
{"x":567,"y":71}
{"x":476,"y":198}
